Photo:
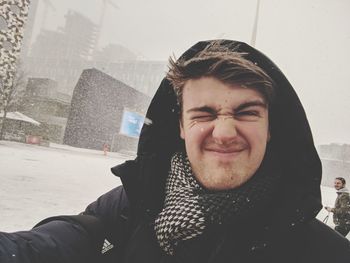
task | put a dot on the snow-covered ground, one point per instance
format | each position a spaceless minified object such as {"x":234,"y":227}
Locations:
{"x":38,"y":182}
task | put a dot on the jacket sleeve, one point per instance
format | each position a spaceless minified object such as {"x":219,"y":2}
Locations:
{"x":65,"y":239}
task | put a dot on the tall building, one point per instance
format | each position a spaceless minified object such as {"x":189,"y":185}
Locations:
{"x":75,"y":41}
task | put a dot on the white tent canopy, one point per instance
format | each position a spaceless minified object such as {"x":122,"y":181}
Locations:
{"x":19,"y":116}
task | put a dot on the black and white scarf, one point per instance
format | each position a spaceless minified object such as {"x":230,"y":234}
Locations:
{"x":189,"y":209}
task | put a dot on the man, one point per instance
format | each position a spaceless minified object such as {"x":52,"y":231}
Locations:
{"x":226,"y":171}
{"x":341,"y":210}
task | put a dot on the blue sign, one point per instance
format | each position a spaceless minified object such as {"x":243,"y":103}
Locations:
{"x":131,"y":124}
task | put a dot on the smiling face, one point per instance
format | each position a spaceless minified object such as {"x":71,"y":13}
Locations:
{"x":225,"y":128}
{"x":338,"y":184}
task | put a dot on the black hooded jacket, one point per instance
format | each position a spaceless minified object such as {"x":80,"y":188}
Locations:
{"x":118,"y":227}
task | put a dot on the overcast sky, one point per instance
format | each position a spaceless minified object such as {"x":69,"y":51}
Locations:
{"x":309,"y":40}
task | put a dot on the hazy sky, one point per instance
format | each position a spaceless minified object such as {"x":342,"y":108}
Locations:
{"x":309,"y":40}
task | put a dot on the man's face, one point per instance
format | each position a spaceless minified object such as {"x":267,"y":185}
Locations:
{"x":225,"y":128}
{"x":338,"y":184}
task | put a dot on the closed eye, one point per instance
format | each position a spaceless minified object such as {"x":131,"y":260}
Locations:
{"x":248,"y":115}
{"x":206,"y":117}
{"x":251,"y":110}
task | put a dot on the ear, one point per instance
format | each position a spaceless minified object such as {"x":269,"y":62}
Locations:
{"x":182,"y":132}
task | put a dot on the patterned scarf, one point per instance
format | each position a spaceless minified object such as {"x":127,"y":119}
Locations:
{"x":189,"y":209}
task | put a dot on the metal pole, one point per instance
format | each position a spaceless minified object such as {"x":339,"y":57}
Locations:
{"x":255,"y":27}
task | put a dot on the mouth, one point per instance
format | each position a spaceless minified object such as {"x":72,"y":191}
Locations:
{"x":224,"y":152}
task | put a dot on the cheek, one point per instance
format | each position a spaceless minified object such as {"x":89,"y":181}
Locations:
{"x":256,"y":134}
{"x":194,"y":136}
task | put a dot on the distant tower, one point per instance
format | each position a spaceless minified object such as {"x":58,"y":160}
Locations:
{"x":80,"y":32}
{"x":13,"y":14}
{"x":75,"y":41}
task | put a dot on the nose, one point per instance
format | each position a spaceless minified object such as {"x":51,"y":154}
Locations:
{"x":225,"y":130}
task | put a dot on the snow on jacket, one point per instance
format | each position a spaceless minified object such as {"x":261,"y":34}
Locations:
{"x":119,"y":226}
{"x":341,"y":210}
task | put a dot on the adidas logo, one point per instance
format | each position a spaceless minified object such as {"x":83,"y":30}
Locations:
{"x":106,"y":246}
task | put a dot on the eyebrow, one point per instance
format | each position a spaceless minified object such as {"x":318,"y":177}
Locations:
{"x":202,"y":109}
{"x":242,"y":106}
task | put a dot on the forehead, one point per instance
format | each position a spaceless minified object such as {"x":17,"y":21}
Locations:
{"x":210,"y":91}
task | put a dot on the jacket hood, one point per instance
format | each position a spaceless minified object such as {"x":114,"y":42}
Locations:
{"x":291,"y":142}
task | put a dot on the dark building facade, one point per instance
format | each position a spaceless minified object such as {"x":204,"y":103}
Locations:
{"x":96,"y":112}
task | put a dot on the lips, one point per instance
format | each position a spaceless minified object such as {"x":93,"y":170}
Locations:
{"x":235,"y":147}
{"x":225,"y":150}
{"x":225,"y":153}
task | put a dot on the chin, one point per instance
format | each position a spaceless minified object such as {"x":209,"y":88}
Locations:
{"x":224,"y":181}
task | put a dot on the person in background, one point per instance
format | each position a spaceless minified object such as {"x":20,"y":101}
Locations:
{"x":341,"y":209}
{"x":105,"y":149}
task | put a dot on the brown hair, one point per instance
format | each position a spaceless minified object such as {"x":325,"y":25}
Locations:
{"x":218,"y":61}
{"x":341,"y":179}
